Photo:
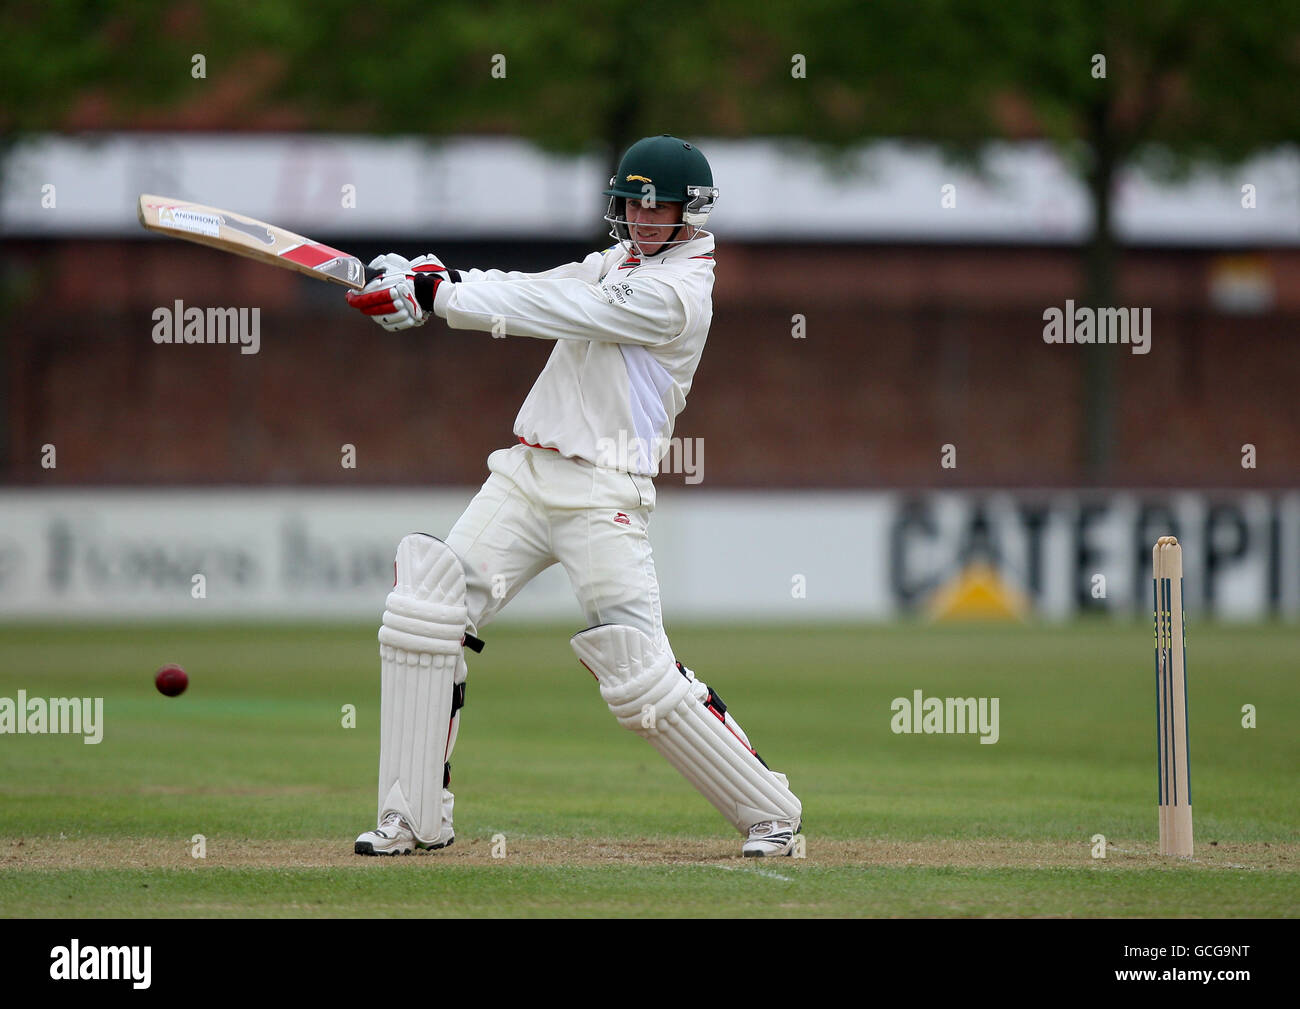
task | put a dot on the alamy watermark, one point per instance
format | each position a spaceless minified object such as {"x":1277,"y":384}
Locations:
{"x":82,"y":716}
{"x":921,"y":714}
{"x":636,"y":454}
{"x":75,"y":962}
{"x":179,"y":324}
{"x":1098,"y":325}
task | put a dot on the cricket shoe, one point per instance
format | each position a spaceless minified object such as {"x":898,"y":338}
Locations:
{"x":771,"y":837}
{"x":394,"y":836}
{"x":391,"y":837}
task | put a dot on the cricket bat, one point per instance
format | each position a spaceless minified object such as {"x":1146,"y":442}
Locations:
{"x":245,"y":236}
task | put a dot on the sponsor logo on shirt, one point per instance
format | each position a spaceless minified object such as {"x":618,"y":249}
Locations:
{"x":622,"y":519}
{"x":617,"y":294}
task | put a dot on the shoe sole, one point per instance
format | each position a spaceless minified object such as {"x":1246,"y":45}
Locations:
{"x":788,"y":853}
{"x":366,"y":848}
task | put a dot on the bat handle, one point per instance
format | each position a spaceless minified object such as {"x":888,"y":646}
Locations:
{"x":372,"y":274}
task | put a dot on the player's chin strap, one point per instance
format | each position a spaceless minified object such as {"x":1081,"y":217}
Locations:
{"x":422,"y":664}
{"x":686,"y":722}
{"x":668,"y":244}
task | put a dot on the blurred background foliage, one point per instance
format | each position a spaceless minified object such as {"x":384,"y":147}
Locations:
{"x":1184,"y":80}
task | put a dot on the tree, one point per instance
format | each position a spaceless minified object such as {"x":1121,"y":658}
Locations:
{"x":1184,"y":80}
{"x":67,"y":64}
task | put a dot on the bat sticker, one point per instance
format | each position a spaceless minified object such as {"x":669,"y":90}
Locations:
{"x":253,"y":229}
{"x":180,"y":219}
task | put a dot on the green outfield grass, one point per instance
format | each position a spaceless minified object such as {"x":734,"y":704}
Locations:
{"x":255,"y":758}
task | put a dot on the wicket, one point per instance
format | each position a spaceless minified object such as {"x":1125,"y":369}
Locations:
{"x":1174,"y":782}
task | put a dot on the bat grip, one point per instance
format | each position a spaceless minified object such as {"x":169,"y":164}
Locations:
{"x":372,"y":274}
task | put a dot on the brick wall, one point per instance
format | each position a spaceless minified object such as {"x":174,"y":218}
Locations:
{"x":906,"y":349}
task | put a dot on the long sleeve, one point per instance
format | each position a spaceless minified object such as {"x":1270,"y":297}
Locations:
{"x":588,"y":269}
{"x":636,"y":310}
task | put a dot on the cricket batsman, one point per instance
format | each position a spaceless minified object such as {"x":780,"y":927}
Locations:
{"x":629,"y":326}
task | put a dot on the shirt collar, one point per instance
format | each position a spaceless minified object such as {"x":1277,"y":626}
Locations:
{"x":700,"y":245}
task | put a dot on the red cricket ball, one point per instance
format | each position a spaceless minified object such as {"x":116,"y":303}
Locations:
{"x":171,"y":680}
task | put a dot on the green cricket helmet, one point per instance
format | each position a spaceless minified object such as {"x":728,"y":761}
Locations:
{"x":663,"y":169}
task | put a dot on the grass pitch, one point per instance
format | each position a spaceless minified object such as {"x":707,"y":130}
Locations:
{"x":591,"y":821}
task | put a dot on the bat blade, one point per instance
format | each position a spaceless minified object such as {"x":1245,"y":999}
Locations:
{"x":246,"y":236}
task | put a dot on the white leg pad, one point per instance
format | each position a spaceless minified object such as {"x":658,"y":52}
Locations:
{"x":649,"y":695}
{"x":420,"y":650}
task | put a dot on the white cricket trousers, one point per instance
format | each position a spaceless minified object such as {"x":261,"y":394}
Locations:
{"x":538,"y":508}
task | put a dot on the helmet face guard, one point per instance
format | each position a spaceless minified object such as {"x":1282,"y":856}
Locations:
{"x":695,"y":213}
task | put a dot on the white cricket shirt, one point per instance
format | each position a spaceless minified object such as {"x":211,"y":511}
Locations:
{"x":628,"y":336}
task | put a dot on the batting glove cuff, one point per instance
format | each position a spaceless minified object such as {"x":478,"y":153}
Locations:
{"x":443,"y":294}
{"x":428,"y":279}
